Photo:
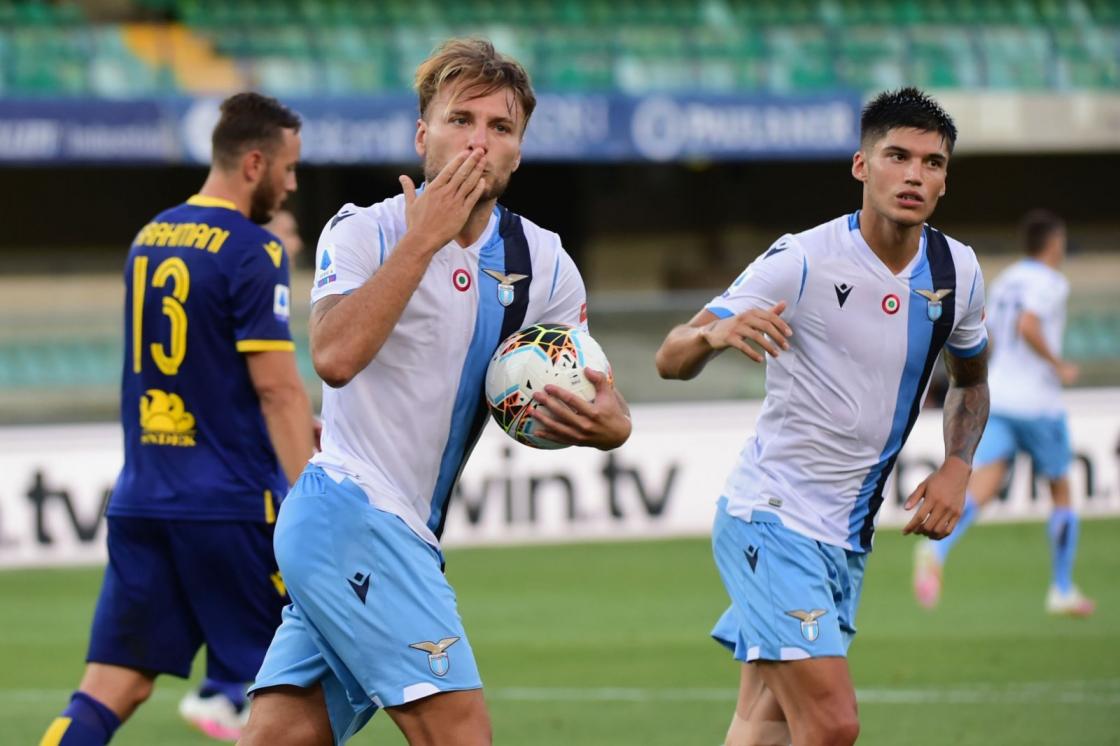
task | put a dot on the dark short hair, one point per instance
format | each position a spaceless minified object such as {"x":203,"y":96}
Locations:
{"x":1037,"y":227}
{"x":248,"y":121}
{"x":906,"y":107}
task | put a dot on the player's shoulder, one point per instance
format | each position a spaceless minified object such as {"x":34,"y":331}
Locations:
{"x":356,"y":225}
{"x":960,"y":250}
{"x":823,"y":238}
{"x":538,"y":237}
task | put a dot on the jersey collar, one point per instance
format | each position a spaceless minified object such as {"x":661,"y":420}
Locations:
{"x":201,"y":200}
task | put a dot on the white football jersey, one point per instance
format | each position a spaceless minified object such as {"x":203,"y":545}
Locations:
{"x":405,"y":425}
{"x":841,"y":401}
{"x":1022,"y":383}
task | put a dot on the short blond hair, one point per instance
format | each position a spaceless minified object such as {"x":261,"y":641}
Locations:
{"x":480,"y":66}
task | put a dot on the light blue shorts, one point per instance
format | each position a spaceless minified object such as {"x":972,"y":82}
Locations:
{"x":1046,"y":439}
{"x":791,"y":597}
{"x":372,"y":617}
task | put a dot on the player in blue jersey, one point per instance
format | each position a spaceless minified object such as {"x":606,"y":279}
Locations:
{"x":411,"y":298}
{"x":216,"y":425}
{"x":853,"y":314}
{"x":1027,"y":319}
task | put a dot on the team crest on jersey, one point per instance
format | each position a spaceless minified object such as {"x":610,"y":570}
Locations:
{"x":933,"y":302}
{"x":810,"y":629}
{"x":437,"y":654}
{"x":505,"y":284}
{"x":891,"y":304}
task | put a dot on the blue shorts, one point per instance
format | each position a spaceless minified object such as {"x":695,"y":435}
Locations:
{"x":172,"y":585}
{"x":1046,"y":439}
{"x":372,"y":618}
{"x":791,"y":597}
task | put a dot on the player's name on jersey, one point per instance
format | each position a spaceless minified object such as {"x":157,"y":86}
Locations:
{"x":190,"y":235}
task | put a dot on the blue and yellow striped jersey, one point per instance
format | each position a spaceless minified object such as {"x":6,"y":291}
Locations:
{"x":203,"y":287}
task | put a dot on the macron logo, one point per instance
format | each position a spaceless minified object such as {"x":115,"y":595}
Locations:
{"x":360,"y":584}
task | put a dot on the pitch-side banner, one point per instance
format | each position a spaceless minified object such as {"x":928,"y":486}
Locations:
{"x":357,"y":130}
{"x":54,"y":481}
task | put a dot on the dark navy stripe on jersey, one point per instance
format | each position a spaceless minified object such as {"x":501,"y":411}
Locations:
{"x":924,"y":343}
{"x":507,"y":252}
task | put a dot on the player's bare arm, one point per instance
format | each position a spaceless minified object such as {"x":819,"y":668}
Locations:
{"x":344,"y":341}
{"x":941,"y":496}
{"x":285,"y":407}
{"x":565,"y":417}
{"x":1030,"y":329}
{"x":688,"y":347}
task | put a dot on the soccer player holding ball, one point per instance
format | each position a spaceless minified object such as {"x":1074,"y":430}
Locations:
{"x":853,"y":314}
{"x":411,"y":298}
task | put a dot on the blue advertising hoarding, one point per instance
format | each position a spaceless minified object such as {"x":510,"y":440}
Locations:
{"x":575,"y":127}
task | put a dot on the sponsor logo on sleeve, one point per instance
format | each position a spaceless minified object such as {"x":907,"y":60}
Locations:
{"x":282,"y":303}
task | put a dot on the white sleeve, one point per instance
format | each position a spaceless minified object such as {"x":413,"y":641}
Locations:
{"x":778,"y":274}
{"x":567,"y":297}
{"x":970,"y":336}
{"x":351,"y":248}
{"x":1042,"y":297}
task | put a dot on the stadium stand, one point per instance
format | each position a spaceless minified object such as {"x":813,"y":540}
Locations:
{"x":345,"y":47}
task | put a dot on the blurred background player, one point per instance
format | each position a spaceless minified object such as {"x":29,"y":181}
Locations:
{"x":853,"y":308}
{"x":1027,"y":317}
{"x":284,"y":226}
{"x":412,"y":296}
{"x":216,"y":425}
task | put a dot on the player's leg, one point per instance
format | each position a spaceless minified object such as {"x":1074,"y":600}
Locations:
{"x":141,"y":627}
{"x":236,"y":594}
{"x":447,"y":719}
{"x":993,"y":455}
{"x":793,"y":601}
{"x":1047,"y":441}
{"x":817,"y":697}
{"x":288,"y":716}
{"x":758,"y":718}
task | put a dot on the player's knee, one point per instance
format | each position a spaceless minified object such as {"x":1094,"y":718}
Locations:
{"x":837,"y":729}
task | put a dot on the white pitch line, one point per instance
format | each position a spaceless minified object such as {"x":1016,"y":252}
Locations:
{"x":1105,"y":692}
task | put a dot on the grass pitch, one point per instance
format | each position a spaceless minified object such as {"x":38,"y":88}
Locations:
{"x":606,"y":644}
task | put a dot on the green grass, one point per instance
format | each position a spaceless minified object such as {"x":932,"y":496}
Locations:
{"x":607,"y":644}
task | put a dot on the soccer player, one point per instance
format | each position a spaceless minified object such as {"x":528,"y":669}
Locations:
{"x":216,"y":425}
{"x":412,"y":296}
{"x":853,"y":314}
{"x":1027,"y":317}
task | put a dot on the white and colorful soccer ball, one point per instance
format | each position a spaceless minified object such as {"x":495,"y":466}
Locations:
{"x":530,"y":359}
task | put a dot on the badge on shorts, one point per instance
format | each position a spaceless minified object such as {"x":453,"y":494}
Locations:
{"x":437,"y":655}
{"x":810,"y":630}
{"x":505,"y":284}
{"x":933,"y":302}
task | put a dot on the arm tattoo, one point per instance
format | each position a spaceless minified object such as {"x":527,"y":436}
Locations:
{"x":966,"y":404}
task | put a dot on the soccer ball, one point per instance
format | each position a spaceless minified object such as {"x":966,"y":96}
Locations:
{"x":530,"y":359}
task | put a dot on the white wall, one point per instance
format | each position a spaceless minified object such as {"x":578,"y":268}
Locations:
{"x":664,"y":482}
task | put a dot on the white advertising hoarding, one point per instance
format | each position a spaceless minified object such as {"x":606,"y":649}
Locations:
{"x":54,"y":481}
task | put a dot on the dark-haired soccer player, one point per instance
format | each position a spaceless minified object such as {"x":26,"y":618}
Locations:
{"x":216,"y":425}
{"x":853,"y":314}
{"x":1027,"y":317}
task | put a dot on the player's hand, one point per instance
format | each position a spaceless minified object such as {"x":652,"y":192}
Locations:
{"x":439,"y":213}
{"x":939,"y":499}
{"x":764,"y":327}
{"x":565,"y":417}
{"x":1068,"y":373}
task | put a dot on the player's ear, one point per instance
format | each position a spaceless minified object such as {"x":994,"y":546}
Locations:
{"x":421,"y":141}
{"x":859,"y":166}
{"x":253,"y":165}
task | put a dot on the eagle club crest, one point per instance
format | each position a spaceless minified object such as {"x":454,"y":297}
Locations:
{"x":437,"y":654}
{"x":505,"y":284}
{"x":810,"y":629}
{"x":933,"y":302}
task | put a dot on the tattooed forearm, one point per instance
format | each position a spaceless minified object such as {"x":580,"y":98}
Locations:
{"x":966,"y":404}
